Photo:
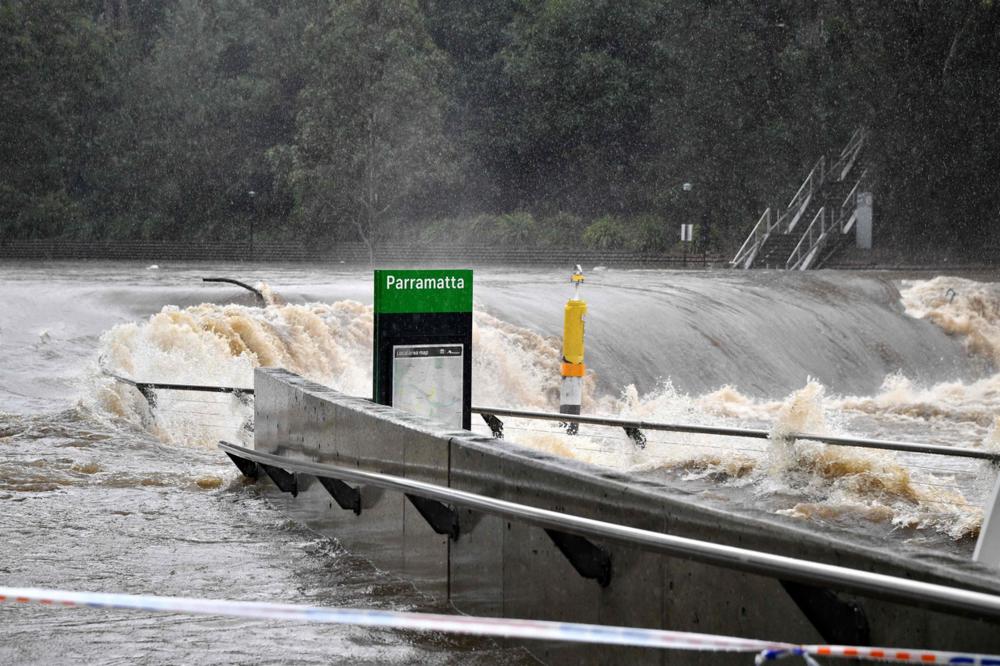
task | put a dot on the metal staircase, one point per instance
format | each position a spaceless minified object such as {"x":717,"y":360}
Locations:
{"x":817,"y":221}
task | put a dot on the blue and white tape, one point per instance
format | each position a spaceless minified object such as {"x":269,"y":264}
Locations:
{"x":485,"y":626}
{"x":460,"y":624}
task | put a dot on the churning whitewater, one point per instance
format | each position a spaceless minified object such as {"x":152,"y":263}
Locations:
{"x":935,"y":342}
{"x":103,"y":491}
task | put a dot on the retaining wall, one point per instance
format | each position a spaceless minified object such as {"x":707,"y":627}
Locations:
{"x":503,"y":568}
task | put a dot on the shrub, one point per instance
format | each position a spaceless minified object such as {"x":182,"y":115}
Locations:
{"x":560,"y":230}
{"x":607,"y":233}
{"x":516,"y":229}
{"x":648,"y":233}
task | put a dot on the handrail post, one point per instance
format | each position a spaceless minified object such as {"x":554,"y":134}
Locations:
{"x":748,"y":250}
{"x":859,"y":581}
{"x":988,"y":545}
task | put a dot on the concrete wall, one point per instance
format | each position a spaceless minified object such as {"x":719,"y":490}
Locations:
{"x":499,"y":567}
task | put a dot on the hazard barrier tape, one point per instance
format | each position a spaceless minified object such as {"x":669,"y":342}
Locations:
{"x":483,"y":626}
{"x":462,"y":624}
{"x":883,"y":654}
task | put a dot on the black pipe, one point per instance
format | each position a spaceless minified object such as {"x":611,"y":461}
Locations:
{"x":144,"y":386}
{"x":260,"y":296}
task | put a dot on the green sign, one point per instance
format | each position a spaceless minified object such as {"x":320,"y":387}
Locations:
{"x":423,"y":291}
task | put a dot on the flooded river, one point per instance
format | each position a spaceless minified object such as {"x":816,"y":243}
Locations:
{"x":102,"y":492}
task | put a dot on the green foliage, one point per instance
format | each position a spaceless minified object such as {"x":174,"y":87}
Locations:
{"x":638,"y":233}
{"x":370,"y":135}
{"x":607,"y":233}
{"x":54,"y":66}
{"x":513,"y":229}
{"x":561,"y":230}
{"x":650,"y":234}
{"x":194,"y":125}
{"x":517,"y":229}
{"x":516,"y":122}
{"x":584,"y":77}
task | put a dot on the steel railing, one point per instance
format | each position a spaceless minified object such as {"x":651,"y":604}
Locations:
{"x":786,"y":221}
{"x":751,"y":433}
{"x":865,"y":583}
{"x":748,"y":251}
{"x":836,"y":220}
{"x":849,"y":155}
{"x":145,"y":386}
{"x":805,"y":250}
{"x":634,"y":424}
{"x":800,"y":202}
{"x":849,"y":207}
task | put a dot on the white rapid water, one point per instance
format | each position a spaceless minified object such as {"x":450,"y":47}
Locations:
{"x":100,"y":492}
{"x":935,"y":356}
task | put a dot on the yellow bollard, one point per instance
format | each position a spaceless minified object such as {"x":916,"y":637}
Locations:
{"x":573,"y":368}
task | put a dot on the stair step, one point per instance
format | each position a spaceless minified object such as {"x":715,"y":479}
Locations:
{"x":777,"y":249}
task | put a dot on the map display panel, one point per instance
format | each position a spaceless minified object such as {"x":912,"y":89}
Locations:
{"x":427,"y":381}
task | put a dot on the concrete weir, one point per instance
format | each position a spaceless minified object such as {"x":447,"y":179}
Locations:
{"x":501,"y":567}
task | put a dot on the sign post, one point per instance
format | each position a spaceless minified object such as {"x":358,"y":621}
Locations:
{"x":687,"y":235}
{"x":423,"y":343}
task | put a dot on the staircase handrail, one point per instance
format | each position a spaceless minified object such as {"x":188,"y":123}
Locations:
{"x":841,"y":219}
{"x":798,"y":204}
{"x":786,"y":220}
{"x":857,"y":138}
{"x":812,"y":238}
{"x":849,"y":206}
{"x":748,"y":251}
{"x":848,"y":155}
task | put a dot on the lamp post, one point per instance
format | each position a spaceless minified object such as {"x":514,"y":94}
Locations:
{"x":253,"y":214}
{"x":686,"y":234}
{"x":703,"y":237}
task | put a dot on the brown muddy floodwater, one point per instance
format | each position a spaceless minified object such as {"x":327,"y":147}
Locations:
{"x":101,"y":493}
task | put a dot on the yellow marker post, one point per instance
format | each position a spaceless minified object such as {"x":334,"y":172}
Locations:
{"x":573,"y":368}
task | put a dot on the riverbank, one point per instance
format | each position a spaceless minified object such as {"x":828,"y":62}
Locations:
{"x":346,"y":253}
{"x":465,"y":254}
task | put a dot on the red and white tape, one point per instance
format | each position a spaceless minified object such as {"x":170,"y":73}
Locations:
{"x":485,"y":626}
{"x":901,"y":656}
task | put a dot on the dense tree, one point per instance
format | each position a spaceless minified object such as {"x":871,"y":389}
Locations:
{"x":54,"y":64}
{"x":512,"y":121}
{"x":473,"y":34}
{"x":370,"y":140}
{"x":584,"y":77}
{"x":931,"y":75}
{"x":192,"y":130}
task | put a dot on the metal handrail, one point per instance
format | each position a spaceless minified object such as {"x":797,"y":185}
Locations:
{"x":799,"y":258}
{"x":838,"y":440}
{"x":642,"y":425}
{"x":856,"y":137}
{"x":849,"y":207}
{"x":865,"y":583}
{"x":803,"y":196}
{"x":849,"y":154}
{"x":253,"y":290}
{"x":746,"y":254}
{"x":788,"y":219}
{"x":142,"y":386}
{"x":802,"y":259}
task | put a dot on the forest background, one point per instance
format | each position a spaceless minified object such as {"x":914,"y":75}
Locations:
{"x":565,"y":123}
